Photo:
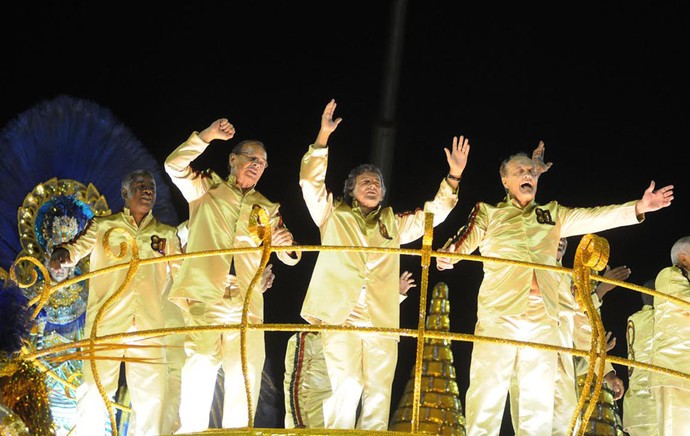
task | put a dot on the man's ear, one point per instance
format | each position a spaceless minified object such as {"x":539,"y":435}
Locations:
{"x":684,"y":260}
{"x":124,"y":194}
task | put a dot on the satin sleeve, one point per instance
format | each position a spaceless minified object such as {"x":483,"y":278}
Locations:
{"x":191,"y":184}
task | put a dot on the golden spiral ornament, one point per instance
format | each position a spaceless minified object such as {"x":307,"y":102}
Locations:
{"x":592,"y":254}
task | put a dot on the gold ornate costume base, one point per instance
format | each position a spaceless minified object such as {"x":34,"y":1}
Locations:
{"x":434,"y":365}
{"x":440,"y":407}
{"x":606,"y":419}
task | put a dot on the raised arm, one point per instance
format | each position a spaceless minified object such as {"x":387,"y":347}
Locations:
{"x":328,"y":124}
{"x":457,"y":159}
{"x":654,"y":200}
{"x":178,"y":163}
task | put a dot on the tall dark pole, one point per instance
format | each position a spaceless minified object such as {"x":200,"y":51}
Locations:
{"x":383,"y":149}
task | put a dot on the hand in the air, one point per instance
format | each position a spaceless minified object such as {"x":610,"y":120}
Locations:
{"x":654,"y":200}
{"x":538,"y":159}
{"x":220,"y":129}
{"x":457,"y":155}
{"x":328,"y":124}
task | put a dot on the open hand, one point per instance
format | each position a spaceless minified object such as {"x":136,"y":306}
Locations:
{"x":457,"y":155}
{"x":538,"y":159}
{"x":406,"y":282}
{"x":281,"y":236}
{"x":328,"y":124}
{"x":654,"y":200}
{"x":620,"y":273}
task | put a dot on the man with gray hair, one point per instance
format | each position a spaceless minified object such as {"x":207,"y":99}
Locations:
{"x":212,"y":289}
{"x":361,"y":289}
{"x":522,"y":303}
{"x":671,"y":343}
{"x":140,"y":306}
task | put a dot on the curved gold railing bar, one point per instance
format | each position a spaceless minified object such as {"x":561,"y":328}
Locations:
{"x":580,"y":273}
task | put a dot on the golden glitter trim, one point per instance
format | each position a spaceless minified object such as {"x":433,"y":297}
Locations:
{"x":592,"y":254}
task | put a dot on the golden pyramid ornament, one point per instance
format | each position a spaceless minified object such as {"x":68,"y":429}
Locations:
{"x":606,"y":419}
{"x":440,"y":409}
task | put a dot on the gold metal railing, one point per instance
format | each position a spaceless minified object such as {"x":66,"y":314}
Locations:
{"x":592,"y":254}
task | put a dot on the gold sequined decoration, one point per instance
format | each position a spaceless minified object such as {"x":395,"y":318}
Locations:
{"x":23,"y":390}
{"x":24,"y":274}
{"x":606,"y":419}
{"x":11,"y":424}
{"x":259,"y":228}
{"x":440,"y":406}
{"x":427,"y":240}
{"x":133,"y":268}
{"x":113,"y":341}
{"x":44,"y":294}
{"x":592,"y":254}
{"x":26,"y":216}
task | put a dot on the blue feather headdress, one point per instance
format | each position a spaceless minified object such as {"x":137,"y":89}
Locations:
{"x":16,"y":320}
{"x":60,"y":219}
{"x":74,"y":139}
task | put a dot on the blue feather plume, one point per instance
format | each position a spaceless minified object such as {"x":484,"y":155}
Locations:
{"x":15,"y":319}
{"x":69,"y":138}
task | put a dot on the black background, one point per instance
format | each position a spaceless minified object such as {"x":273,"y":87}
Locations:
{"x":603,"y":84}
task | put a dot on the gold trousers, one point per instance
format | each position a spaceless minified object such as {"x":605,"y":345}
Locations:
{"x":493,"y":365}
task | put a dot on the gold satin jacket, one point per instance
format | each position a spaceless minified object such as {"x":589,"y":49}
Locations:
{"x":338,"y":277}
{"x":218,"y":219}
{"x":528,"y":234}
{"x":140,"y":305}
{"x":638,"y":403}
{"x":671,"y":342}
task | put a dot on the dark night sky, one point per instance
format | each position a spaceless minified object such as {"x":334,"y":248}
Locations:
{"x":603,"y":84}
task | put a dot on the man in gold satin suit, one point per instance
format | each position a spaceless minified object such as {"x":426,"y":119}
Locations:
{"x":575,"y":331}
{"x":306,"y":385}
{"x":671,"y":343}
{"x":639,"y":407}
{"x":213,"y":289}
{"x":140,"y":306}
{"x":361,"y":289}
{"x":522,"y":303}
